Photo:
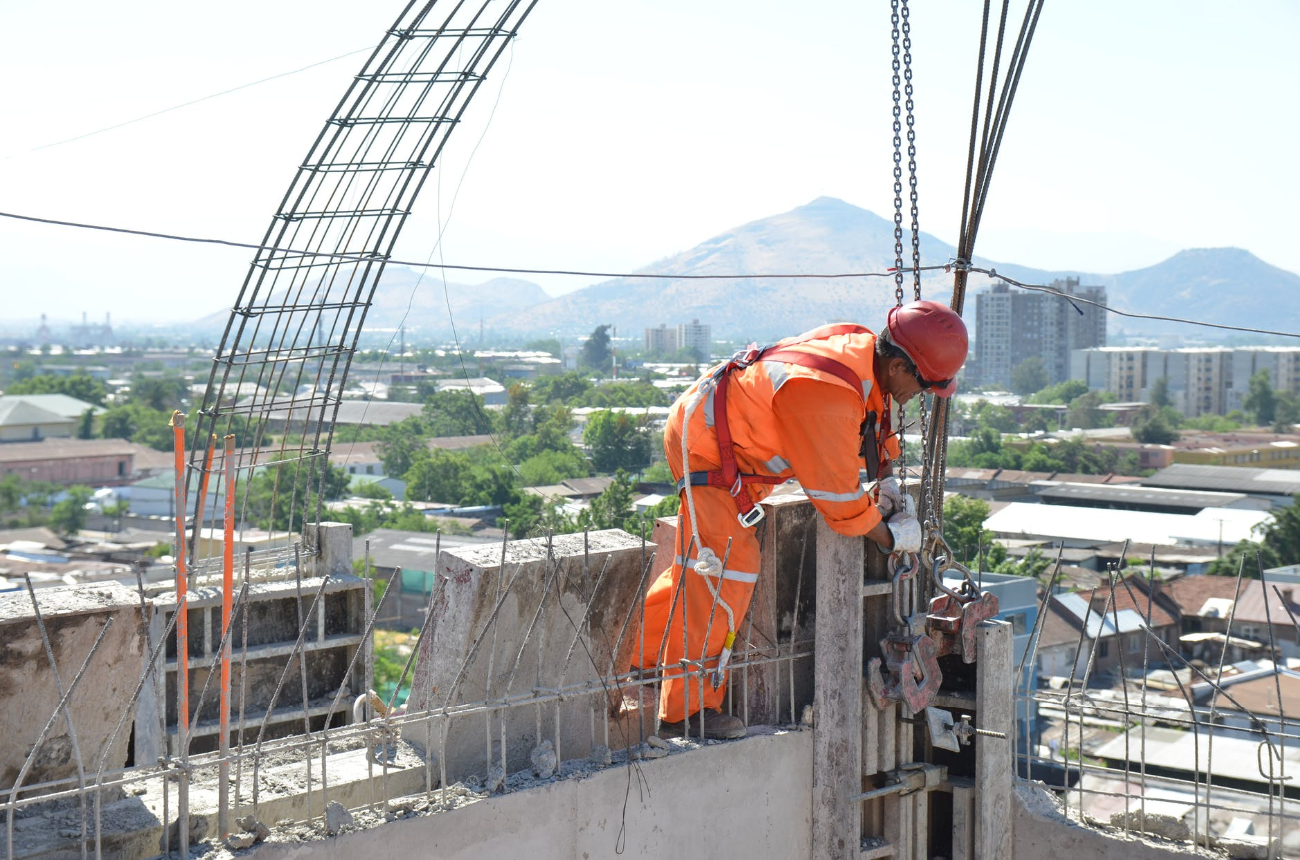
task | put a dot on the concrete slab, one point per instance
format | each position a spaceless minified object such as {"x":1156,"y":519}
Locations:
{"x":538,"y":624}
{"x":73,"y":619}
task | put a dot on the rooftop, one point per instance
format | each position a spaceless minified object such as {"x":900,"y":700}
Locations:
{"x":1140,"y":497}
{"x":64,"y":449}
{"x":1236,"y":479}
{"x":1102,"y":525}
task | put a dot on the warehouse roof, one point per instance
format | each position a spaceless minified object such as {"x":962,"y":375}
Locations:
{"x":1234,"y":479}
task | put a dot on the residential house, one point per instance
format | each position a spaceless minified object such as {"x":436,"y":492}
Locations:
{"x":1116,"y":621}
{"x":33,"y":417}
{"x":1257,"y":613}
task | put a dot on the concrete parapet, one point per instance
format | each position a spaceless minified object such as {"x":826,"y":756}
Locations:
{"x":536,"y":624}
{"x":73,"y":618}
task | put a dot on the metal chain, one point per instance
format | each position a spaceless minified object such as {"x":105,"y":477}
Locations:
{"x":898,"y":153}
{"x":898,"y":220}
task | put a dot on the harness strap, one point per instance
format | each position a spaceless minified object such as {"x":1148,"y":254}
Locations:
{"x":729,"y":477}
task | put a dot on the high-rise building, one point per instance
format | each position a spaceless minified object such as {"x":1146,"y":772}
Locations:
{"x":1199,"y":380}
{"x":661,"y":340}
{"x":696,"y":337}
{"x":1012,"y":326}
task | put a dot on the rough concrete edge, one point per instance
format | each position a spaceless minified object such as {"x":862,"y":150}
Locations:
{"x":324,"y":845}
{"x":1035,"y":800}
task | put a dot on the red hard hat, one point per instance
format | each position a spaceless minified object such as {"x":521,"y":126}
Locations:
{"x":934,"y":338}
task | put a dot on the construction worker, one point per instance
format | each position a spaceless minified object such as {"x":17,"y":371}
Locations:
{"x":816,"y":408}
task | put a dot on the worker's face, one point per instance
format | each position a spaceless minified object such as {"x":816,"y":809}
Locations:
{"x":900,"y":382}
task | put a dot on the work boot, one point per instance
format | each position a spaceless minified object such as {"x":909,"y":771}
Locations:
{"x":717,"y":726}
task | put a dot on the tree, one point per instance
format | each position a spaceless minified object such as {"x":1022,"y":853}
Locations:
{"x":399,"y":443}
{"x":1278,"y":545}
{"x":68,"y":516}
{"x":963,"y":526}
{"x":1062,"y":393}
{"x":595,"y":352}
{"x":437,"y":476}
{"x":1260,"y":402}
{"x":517,"y":416}
{"x":86,"y":425}
{"x":78,"y":385}
{"x":1286,"y":412}
{"x":335,"y":482}
{"x":455,"y":412}
{"x":1029,"y":376}
{"x":1084,"y":412}
{"x":612,"y":509}
{"x":550,"y":344}
{"x":1152,"y":427}
{"x":1160,"y":393}
{"x":552,"y":467}
{"x":162,"y":393}
{"x":617,"y":441}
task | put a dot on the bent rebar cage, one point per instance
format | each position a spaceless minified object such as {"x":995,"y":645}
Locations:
{"x":287,"y":348}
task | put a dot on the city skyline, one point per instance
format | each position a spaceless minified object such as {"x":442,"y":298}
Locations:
{"x":1086,"y":181}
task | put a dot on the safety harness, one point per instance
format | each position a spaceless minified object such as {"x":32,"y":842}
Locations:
{"x":729,"y":477}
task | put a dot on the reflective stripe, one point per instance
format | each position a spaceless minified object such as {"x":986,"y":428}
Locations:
{"x":708,"y":403}
{"x":866,"y":389}
{"x":824,"y":496}
{"x":733,"y":575}
{"x":777,"y":373}
{"x":777,"y":464}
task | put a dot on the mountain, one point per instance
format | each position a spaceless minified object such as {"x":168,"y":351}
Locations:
{"x":419,"y":304}
{"x":1223,"y":285}
{"x":1226,"y":285}
{"x":825,"y":236}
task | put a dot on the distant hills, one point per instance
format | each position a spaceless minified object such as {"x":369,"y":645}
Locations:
{"x":826,"y":236}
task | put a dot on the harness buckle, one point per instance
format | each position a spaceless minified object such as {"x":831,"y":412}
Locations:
{"x":753,"y":518}
{"x":738,"y":486}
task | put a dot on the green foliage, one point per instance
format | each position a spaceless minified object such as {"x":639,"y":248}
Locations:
{"x":1154,"y":426}
{"x":625,"y":394}
{"x":1160,"y":394}
{"x":1062,"y":393}
{"x":1260,"y":402}
{"x":612,"y":509}
{"x":1029,"y":376}
{"x":595,"y":352}
{"x":438,"y":476}
{"x":658,"y":473}
{"x":161,"y":393}
{"x":1212,"y":423}
{"x":617,"y":441}
{"x":455,"y":413}
{"x":78,"y":385}
{"x":399,"y":443}
{"x":550,"y":344}
{"x":963,"y":526}
{"x":1286,"y":412}
{"x":552,"y":467}
{"x":566,"y":388}
{"x":373,"y":490}
{"x":1278,"y":546}
{"x":994,"y":417}
{"x":68,"y":516}
{"x":86,"y":425}
{"x":1084,"y":412}
{"x":1033,"y":564}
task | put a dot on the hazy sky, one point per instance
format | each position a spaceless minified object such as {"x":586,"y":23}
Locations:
{"x":627,"y":131}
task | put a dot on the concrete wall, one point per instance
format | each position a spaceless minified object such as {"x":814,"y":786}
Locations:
{"x":744,"y":799}
{"x":1043,"y":833}
{"x":28,"y":695}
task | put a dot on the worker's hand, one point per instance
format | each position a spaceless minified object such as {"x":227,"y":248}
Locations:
{"x":891,"y":495}
{"x":906,"y":531}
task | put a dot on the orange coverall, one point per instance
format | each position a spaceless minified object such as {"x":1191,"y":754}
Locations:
{"x":785,"y":420}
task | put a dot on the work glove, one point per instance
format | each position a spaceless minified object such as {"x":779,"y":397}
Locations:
{"x":890,"y":496}
{"x":905,"y":527}
{"x":906,"y":530}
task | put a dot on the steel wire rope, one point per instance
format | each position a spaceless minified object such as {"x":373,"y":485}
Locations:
{"x":189,"y":103}
{"x":667,"y":276}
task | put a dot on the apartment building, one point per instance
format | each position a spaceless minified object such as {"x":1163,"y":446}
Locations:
{"x":1014,"y":325}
